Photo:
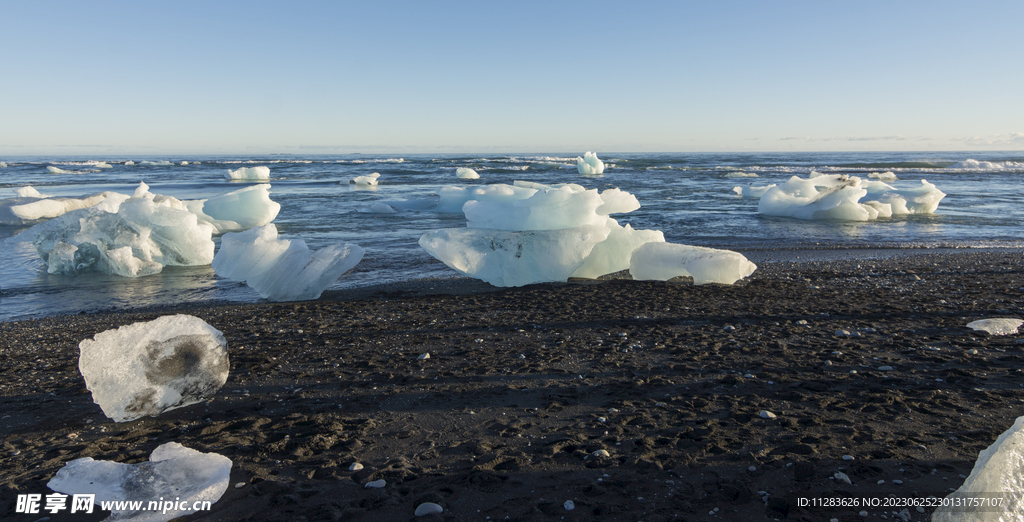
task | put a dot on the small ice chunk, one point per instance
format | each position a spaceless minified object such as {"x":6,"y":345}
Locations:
{"x":129,"y":163}
{"x":28,"y":192}
{"x":751,"y":191}
{"x":282,"y":270}
{"x":150,"y":367}
{"x":883,"y":176}
{"x":589,"y":165}
{"x":182,"y":476}
{"x":997,"y":326}
{"x":3,"y":165}
{"x":369,"y":179}
{"x":663,"y":261}
{"x":184,"y":163}
{"x":1000,"y":468}
{"x":379,"y":208}
{"x":248,"y":173}
{"x":103,"y":165}
{"x":428,"y":508}
{"x":466,"y":173}
{"x":57,"y":170}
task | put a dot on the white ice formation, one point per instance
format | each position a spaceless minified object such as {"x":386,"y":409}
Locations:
{"x":103,"y":165}
{"x":3,"y":165}
{"x":998,"y":472}
{"x":158,"y":163}
{"x":282,"y":270}
{"x":127,"y":236}
{"x":997,"y":326}
{"x":249,"y":173}
{"x":57,"y":170}
{"x":179,"y":476}
{"x":751,"y":191}
{"x":846,"y":198}
{"x":589,"y":164}
{"x":30,"y":206}
{"x":150,"y":367}
{"x":237,"y":210}
{"x":369,"y":179}
{"x":883,"y":176}
{"x":740,"y":174}
{"x":663,"y":261}
{"x":379,"y":208}
{"x":529,"y":233}
{"x":129,"y":163}
{"x":466,"y":173}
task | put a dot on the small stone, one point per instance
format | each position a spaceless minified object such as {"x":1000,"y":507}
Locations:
{"x":376,"y":484}
{"x":880,"y":482}
{"x":602,"y":419}
{"x":613,"y":410}
{"x":569,"y":505}
{"x":765,"y":414}
{"x":729,"y":328}
{"x":428,"y":508}
{"x":240,"y":485}
{"x":749,"y":376}
{"x":842,"y":477}
{"x":601,"y":453}
{"x":897,"y":482}
{"x":752,"y":469}
{"x":885,"y":368}
{"x":853,"y":372}
{"x":842,"y":333}
{"x":863,"y":513}
{"x":802,"y":321}
{"x":972,"y":351}
{"x":355,"y":466}
{"x":424,"y":356}
{"x":847,"y":457}
{"x":72,"y":436}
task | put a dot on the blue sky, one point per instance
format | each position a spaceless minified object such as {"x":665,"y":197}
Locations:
{"x":302,"y":77}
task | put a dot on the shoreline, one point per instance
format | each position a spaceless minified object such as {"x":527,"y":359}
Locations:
{"x":525,"y":384}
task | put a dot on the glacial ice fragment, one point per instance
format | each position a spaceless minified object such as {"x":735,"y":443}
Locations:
{"x":846,"y":198}
{"x":150,"y":367}
{"x":30,"y":206}
{"x":466,"y":173}
{"x":589,"y":164}
{"x":282,"y":270}
{"x":248,"y":173}
{"x":751,"y":191}
{"x":613,"y":254}
{"x":174,"y":473}
{"x":998,"y":472}
{"x":237,"y":210}
{"x":453,"y":198}
{"x":663,"y":261}
{"x":369,"y":179}
{"x":997,"y":326}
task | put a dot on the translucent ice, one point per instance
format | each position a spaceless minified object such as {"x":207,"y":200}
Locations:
{"x":129,"y":163}
{"x":126,"y":236}
{"x":3,"y":165}
{"x":57,"y":170}
{"x":847,"y":198}
{"x":237,"y":210}
{"x":589,"y":165}
{"x":466,"y":173}
{"x":752,"y":192}
{"x":249,"y":173}
{"x":174,"y":474}
{"x":150,"y":367}
{"x":511,"y":258}
{"x":370,"y":179}
{"x":663,"y":261}
{"x":998,"y":326}
{"x":883,"y":176}
{"x":28,"y":192}
{"x":453,"y":198}
{"x":549,"y":208}
{"x":103,"y":165}
{"x":998,"y":472}
{"x":282,"y":270}
{"x":31,"y":206}
{"x":613,"y":254}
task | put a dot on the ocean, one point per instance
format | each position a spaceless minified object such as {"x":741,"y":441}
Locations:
{"x":688,"y":196}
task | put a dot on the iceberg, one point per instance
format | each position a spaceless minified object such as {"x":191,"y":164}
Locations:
{"x":151,"y":367}
{"x":126,"y":236}
{"x":103,"y":165}
{"x":847,"y":198}
{"x":57,"y":170}
{"x":184,"y":163}
{"x":751,"y":192}
{"x":466,"y":173}
{"x":370,"y":179}
{"x":249,"y":173}
{"x":589,"y":165}
{"x":183,"y":476}
{"x":28,"y":208}
{"x":514,"y":258}
{"x":997,"y":326}
{"x":129,"y":163}
{"x":453,"y":198}
{"x":3,"y":165}
{"x":663,"y":261}
{"x":999,"y":472}
{"x":282,"y":270}
{"x":237,"y":210}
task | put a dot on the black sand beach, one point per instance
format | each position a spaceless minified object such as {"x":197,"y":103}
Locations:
{"x":524,"y":385}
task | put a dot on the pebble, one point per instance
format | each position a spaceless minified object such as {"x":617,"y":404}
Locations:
{"x":847,"y":457}
{"x":428,"y":508}
{"x":752,"y":469}
{"x":802,"y":321}
{"x":842,"y":333}
{"x":355,"y":466}
{"x":424,"y":356}
{"x":601,"y":453}
{"x":853,"y":372}
{"x":972,"y":351}
{"x":72,"y":436}
{"x":749,"y":376}
{"x":729,"y":328}
{"x":863,"y":513}
{"x":602,"y":419}
{"x":569,"y":505}
{"x":376,"y":484}
{"x":880,"y":482}
{"x":842,"y":477}
{"x":613,"y":410}
{"x":240,"y":485}
{"x":885,"y":368}
{"x":765,"y":414}
{"x":897,"y":482}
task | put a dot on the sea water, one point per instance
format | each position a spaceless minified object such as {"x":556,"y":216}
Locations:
{"x":687,"y":196}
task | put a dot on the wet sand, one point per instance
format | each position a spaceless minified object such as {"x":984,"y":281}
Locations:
{"x":524,"y":385}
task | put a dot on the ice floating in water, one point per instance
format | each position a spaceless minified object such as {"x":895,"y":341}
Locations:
{"x":370,"y":179}
{"x":30,"y":206}
{"x":466,"y":173}
{"x":181,"y":475}
{"x":249,"y":173}
{"x":507,"y":258}
{"x":129,"y":163}
{"x":237,"y":210}
{"x":57,"y":170}
{"x":282,"y":270}
{"x":379,"y":208}
{"x":589,"y":165}
{"x":663,"y":261}
{"x":184,"y":163}
{"x":997,"y":326}
{"x":737,"y":174}
{"x":103,"y":165}
{"x":883,"y":176}
{"x":613,"y":254}
{"x":3,"y":165}
{"x":848,"y":198}
{"x":150,"y":367}
{"x":453,"y":198}
{"x":751,"y":192}
{"x":123,"y":236}
{"x":160,"y":163}
{"x":999,"y":471}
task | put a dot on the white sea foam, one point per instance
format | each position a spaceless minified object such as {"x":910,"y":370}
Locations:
{"x":741,"y":174}
{"x":972,"y":164}
{"x":160,"y":163}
